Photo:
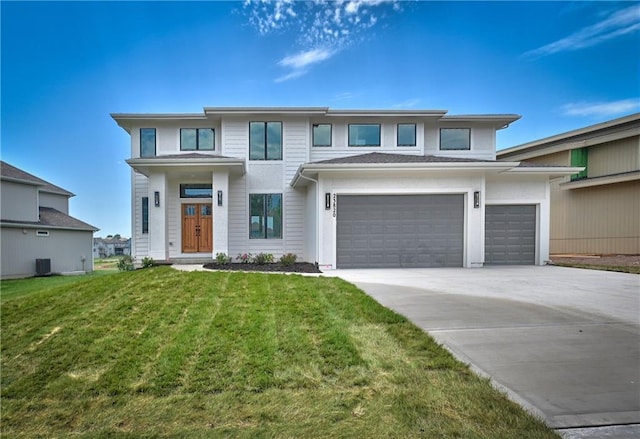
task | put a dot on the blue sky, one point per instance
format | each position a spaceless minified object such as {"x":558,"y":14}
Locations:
{"x":67,"y":65}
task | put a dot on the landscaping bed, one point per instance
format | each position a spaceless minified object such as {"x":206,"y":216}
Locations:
{"x":297,"y":267}
{"x":621,"y":263}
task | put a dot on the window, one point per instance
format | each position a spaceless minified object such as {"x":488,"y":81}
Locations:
{"x":147,"y":142}
{"x":579,"y":157}
{"x":406,"y":134}
{"x":455,"y":138}
{"x":265,"y":220}
{"x":196,"y":190}
{"x":265,"y":140}
{"x":42,"y":233}
{"x":145,"y":214}
{"x":321,"y":134}
{"x":364,"y":135}
{"x":194,"y":139}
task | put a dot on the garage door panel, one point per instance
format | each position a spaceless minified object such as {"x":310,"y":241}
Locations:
{"x":510,"y":234}
{"x":416,"y":230}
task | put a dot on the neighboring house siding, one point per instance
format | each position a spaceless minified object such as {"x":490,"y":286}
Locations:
{"x":19,"y":202}
{"x":58,"y":202}
{"x":66,"y":249}
{"x":614,"y":157}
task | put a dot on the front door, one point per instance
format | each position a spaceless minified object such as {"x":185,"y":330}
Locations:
{"x":197,"y":228}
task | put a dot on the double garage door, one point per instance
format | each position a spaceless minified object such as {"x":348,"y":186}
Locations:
{"x":420,"y":231}
{"x":386,"y":231}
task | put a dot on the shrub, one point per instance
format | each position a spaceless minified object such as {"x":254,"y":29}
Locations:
{"x":244,"y":258}
{"x":288,"y":259}
{"x":223,"y":259}
{"x":147,"y":262}
{"x":125,"y":263}
{"x":263,"y":258}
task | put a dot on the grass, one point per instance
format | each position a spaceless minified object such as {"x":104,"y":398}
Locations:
{"x":162,"y":353}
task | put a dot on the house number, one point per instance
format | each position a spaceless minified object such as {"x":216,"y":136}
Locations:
{"x":335,"y":209}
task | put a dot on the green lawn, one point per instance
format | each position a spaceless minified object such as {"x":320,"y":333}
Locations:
{"x":162,"y":353}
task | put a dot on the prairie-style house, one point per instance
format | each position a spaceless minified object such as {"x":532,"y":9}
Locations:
{"x":38,"y":235}
{"x":342,"y":188}
{"x":596,"y":211}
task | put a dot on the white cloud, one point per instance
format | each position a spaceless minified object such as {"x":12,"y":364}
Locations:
{"x":409,"y":103}
{"x":617,"y":24}
{"x":601,"y":108}
{"x":323,"y":28}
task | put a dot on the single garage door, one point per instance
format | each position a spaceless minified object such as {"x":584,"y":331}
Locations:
{"x":510,"y":235}
{"x":386,"y":231}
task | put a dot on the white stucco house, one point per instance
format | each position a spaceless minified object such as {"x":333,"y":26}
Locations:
{"x":37,"y":234}
{"x":342,"y":188}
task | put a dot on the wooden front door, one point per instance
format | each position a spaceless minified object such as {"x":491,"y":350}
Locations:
{"x":197,"y":228}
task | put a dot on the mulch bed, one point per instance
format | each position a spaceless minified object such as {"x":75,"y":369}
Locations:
{"x":599,"y":260}
{"x":298,"y":267}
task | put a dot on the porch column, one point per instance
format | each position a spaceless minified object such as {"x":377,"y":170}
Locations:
{"x":158,"y":249}
{"x":220,"y":181}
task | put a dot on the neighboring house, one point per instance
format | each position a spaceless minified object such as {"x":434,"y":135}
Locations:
{"x":343,"y":188}
{"x":598,"y":210}
{"x":106,"y":247}
{"x":38,"y":235}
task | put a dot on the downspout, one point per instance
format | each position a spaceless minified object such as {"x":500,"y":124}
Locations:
{"x":317,"y":215}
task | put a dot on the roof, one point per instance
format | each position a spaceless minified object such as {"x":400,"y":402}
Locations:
{"x":615,"y":129}
{"x":11,"y":173}
{"x":383,"y":162}
{"x":51,"y":218}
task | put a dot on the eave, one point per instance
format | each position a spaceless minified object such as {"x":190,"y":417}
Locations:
{"x":148,"y":165}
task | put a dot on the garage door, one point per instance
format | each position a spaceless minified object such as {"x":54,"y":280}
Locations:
{"x":510,"y":235}
{"x":385,"y":231}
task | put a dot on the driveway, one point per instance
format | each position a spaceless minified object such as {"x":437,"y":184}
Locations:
{"x":562,"y":342}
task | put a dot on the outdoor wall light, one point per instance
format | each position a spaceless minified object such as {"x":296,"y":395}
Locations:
{"x":327,"y":201}
{"x":219,"y":198}
{"x":156,"y":198}
{"x":476,"y":199}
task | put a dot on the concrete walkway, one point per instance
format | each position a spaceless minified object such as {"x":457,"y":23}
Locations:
{"x":562,"y":342}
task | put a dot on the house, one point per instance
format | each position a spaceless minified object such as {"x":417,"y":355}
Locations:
{"x":37,"y":234}
{"x":598,"y":210}
{"x":342,"y":188}
{"x":111,"y":246}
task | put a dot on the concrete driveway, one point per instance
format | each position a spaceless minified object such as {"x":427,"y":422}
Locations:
{"x":562,"y":342}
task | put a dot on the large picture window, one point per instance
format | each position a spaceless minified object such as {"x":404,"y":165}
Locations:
{"x":455,"y":139}
{"x":321,"y":134}
{"x":265,"y":140}
{"x":197,"y":139}
{"x":147,"y":142}
{"x":406,"y":134}
{"x":145,"y":214}
{"x":265,"y":219}
{"x":364,"y":135}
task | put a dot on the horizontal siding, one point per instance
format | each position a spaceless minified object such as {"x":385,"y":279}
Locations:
{"x":140,"y":240}
{"x":614,"y":157}
{"x":235,"y":138}
{"x":238,"y":216}
{"x":174,"y":227}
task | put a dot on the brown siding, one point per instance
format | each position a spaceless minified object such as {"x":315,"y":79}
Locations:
{"x":562,"y":158}
{"x":596,"y":220}
{"x":614,"y":157}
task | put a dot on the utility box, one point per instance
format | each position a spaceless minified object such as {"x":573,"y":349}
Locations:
{"x":43,"y":267}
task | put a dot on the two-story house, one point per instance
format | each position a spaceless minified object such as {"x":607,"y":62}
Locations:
{"x":343,"y":188}
{"x":596,"y":211}
{"x":37,"y":234}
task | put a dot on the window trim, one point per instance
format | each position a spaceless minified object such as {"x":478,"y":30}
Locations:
{"x":213,"y":137}
{"x":468,"y":148}
{"x":145,"y":215}
{"x":265,"y":140}
{"x":264,"y":216}
{"x":185,"y":186}
{"x":415,"y":135}
{"x":364,"y":124}
{"x":155,"y":142}
{"x":313,"y":135}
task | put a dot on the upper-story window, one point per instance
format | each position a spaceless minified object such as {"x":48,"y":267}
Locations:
{"x":406,"y":134}
{"x":265,"y":140}
{"x":197,"y":139}
{"x":364,"y":134}
{"x":455,"y":139}
{"x":147,"y":142}
{"x":321,"y":134}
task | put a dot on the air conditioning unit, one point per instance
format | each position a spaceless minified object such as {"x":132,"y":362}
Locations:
{"x":43,"y":267}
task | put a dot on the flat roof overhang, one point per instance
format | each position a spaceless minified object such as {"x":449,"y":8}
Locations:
{"x":187,"y":165}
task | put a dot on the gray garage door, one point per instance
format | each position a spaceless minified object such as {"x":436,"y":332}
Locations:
{"x":385,"y":231}
{"x":510,"y":235}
